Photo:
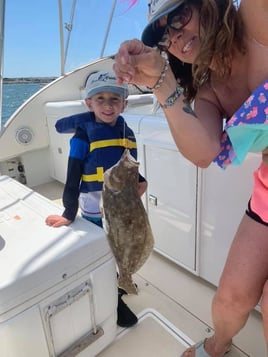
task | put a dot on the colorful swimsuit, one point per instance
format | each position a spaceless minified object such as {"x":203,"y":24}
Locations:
{"x":247,"y":131}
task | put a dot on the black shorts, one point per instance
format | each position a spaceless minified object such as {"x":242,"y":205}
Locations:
{"x":254,"y":215}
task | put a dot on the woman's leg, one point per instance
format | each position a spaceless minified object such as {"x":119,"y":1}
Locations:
{"x":240,"y":286}
{"x":242,"y":282}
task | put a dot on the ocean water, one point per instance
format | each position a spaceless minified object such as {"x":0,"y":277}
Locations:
{"x":14,"y":95}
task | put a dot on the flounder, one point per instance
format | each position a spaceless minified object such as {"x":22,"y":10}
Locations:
{"x":125,"y":220}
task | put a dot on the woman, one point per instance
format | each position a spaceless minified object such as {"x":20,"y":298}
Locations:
{"x":219,"y":56}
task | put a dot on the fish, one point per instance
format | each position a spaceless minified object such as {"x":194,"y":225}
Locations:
{"x":125,"y":220}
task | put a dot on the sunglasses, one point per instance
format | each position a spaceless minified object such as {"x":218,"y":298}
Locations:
{"x":176,"y":20}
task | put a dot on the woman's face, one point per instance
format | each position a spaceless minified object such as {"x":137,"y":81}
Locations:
{"x":185,"y":41}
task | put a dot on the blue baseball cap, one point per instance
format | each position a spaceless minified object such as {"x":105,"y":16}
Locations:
{"x":103,"y":81}
{"x":157,"y":9}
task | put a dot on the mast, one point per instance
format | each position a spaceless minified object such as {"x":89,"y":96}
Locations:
{"x":62,"y":55}
{"x":69,"y":26}
{"x":108,"y":28}
{"x":2,"y":29}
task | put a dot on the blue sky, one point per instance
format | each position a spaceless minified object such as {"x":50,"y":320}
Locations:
{"x":31,"y":44}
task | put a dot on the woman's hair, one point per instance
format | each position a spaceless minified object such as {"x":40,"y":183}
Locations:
{"x":221,"y":33}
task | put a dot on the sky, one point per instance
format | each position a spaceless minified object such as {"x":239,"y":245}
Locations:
{"x":31,"y":35}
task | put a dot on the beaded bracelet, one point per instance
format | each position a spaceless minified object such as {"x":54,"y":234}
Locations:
{"x":162,"y":76}
{"x":173,"y":97}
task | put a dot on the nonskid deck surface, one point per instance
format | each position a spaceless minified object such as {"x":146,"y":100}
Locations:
{"x":152,"y":336}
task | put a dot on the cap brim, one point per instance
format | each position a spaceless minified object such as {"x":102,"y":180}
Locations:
{"x":109,"y":88}
{"x":148,"y":36}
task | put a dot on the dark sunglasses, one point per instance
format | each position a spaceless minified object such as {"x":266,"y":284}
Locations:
{"x":176,"y":20}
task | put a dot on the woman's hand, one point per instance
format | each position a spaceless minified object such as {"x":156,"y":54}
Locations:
{"x":138,"y":64}
{"x":57,"y":221}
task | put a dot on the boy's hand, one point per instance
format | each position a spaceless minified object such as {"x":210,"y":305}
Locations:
{"x":142,"y":187}
{"x":57,"y":221}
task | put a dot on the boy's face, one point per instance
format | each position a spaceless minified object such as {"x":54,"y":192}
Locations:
{"x":107,"y":106}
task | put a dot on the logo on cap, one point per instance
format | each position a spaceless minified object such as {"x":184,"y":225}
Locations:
{"x":103,"y":77}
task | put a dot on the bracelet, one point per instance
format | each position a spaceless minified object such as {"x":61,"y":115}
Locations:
{"x":173,"y":97}
{"x":162,"y":76}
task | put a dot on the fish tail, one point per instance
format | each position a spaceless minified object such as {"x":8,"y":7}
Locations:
{"x":126,"y":283}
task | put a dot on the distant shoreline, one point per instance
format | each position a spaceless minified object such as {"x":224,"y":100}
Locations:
{"x":24,"y":80}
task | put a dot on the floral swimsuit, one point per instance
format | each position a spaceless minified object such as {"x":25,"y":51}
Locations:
{"x":247,"y":131}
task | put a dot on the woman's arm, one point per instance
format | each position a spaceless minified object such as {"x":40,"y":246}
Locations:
{"x":196,"y":134}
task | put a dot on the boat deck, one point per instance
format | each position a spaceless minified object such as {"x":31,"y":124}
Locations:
{"x":173,"y":307}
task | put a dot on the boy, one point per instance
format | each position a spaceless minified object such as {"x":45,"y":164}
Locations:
{"x":101,"y":136}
